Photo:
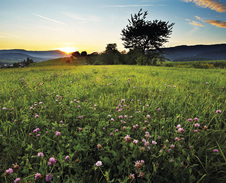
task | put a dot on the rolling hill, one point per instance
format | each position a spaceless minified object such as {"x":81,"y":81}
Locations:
{"x":18,"y":55}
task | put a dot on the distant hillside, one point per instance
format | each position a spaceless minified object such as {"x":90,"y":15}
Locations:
{"x":196,"y":52}
{"x":18,"y":55}
{"x":66,"y":61}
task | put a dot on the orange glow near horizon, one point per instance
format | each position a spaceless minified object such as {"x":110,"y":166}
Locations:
{"x":68,"y":49}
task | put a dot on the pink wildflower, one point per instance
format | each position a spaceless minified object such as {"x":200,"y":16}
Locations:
{"x":112,"y":119}
{"x":52,"y":161}
{"x":127,"y":138}
{"x":131,"y":176}
{"x":197,"y":125}
{"x":40,"y":154}
{"x":196,"y":119}
{"x":180,"y":130}
{"x":148,"y":116}
{"x":4,"y":108}
{"x":135,"y":141}
{"x":215,"y":150}
{"x":57,"y":133}
{"x":17,"y":180}
{"x":154,"y":142}
{"x":189,"y":119}
{"x":218,"y":111}
{"x":9,"y":171}
{"x":99,"y":163}
{"x":38,"y":176}
{"x":67,"y":158}
{"x":49,"y":177}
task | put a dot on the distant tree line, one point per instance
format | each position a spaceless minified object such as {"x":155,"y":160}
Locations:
{"x":24,"y":63}
{"x":144,"y":40}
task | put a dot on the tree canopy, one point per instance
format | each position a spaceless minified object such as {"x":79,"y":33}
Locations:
{"x":145,"y":35}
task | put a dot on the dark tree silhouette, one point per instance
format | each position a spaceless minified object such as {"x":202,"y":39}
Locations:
{"x":145,"y":35}
{"x":76,"y":54}
{"x":83,"y":53}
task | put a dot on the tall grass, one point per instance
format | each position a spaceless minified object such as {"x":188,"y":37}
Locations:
{"x":145,"y":124}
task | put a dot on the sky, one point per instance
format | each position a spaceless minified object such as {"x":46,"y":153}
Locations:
{"x":89,"y":25}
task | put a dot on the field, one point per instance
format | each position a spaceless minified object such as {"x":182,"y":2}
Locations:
{"x":112,"y":124}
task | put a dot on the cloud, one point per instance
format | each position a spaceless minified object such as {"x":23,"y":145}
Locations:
{"x":134,"y":5}
{"x":46,"y":18}
{"x":212,"y":4}
{"x":194,"y":23}
{"x":3,"y":34}
{"x":216,"y":23}
{"x":83,"y":18}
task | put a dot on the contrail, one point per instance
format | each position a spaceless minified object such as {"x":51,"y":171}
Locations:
{"x":49,"y":19}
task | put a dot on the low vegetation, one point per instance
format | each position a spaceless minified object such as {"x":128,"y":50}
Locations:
{"x":112,"y":124}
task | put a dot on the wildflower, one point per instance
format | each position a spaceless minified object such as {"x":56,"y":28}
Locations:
{"x":159,"y":109}
{"x":112,"y":119}
{"x":215,"y":150}
{"x":123,"y":100}
{"x":80,"y":129}
{"x":168,"y":150}
{"x":85,"y":100}
{"x":154,"y":142}
{"x":61,"y":121}
{"x":40,"y":103}
{"x":218,"y":111}
{"x":139,"y":164}
{"x":131,"y":176}
{"x":147,"y":105}
{"x":174,"y":86}
{"x":40,"y":154}
{"x":171,"y":160}
{"x":125,"y":116}
{"x":38,"y":176}
{"x":135,"y":127}
{"x":177,"y":139}
{"x":57,"y":133}
{"x":99,"y":163}
{"x":207,"y":83}
{"x":135,"y":141}
{"x":141,"y":175}
{"x":49,"y":177}
{"x":111,"y":134}
{"x":36,"y":130}
{"x":116,"y":130}
{"x":190,"y":147}
{"x":36,"y":116}
{"x":127,"y":138}
{"x":31,"y":108}
{"x":195,"y":131}
{"x":67,"y":158}
{"x":180,"y":130}
{"x":124,"y":128}
{"x":189,"y":119}
{"x":38,"y":135}
{"x":120,"y":117}
{"x":99,"y":146}
{"x":197,"y":125}
{"x":80,"y":117}
{"x":178,"y":126}
{"x":52,"y":161}
{"x":147,"y":143}
{"x":17,"y":180}
{"x":205,"y":128}
{"x":172,"y":146}
{"x":132,"y":100}
{"x":4,"y":108}
{"x":9,"y":171}
{"x":142,"y":149}
{"x":159,"y":137}
{"x":196,"y":119}
{"x":148,"y":116}
{"x":131,"y":117}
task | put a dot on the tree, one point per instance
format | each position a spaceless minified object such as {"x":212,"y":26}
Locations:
{"x":145,"y":35}
{"x":84,"y":53}
{"x":76,"y":54}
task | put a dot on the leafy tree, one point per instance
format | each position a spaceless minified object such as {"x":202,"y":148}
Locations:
{"x":145,"y":35}
{"x":83,"y":53}
{"x":76,"y":54}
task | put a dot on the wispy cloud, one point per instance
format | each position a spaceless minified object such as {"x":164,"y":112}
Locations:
{"x":4,"y":34}
{"x":85,"y":18}
{"x":212,"y":4}
{"x":134,"y":5}
{"x":46,"y":18}
{"x":194,"y":23}
{"x":216,"y":23}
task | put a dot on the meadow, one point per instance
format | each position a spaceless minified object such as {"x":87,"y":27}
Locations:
{"x":112,"y":124}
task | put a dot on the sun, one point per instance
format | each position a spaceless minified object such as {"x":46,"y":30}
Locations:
{"x":68,"y":49}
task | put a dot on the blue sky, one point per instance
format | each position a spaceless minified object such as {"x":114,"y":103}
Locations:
{"x":91,"y":24}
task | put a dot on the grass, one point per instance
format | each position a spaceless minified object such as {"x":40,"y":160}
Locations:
{"x":100,"y":112}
